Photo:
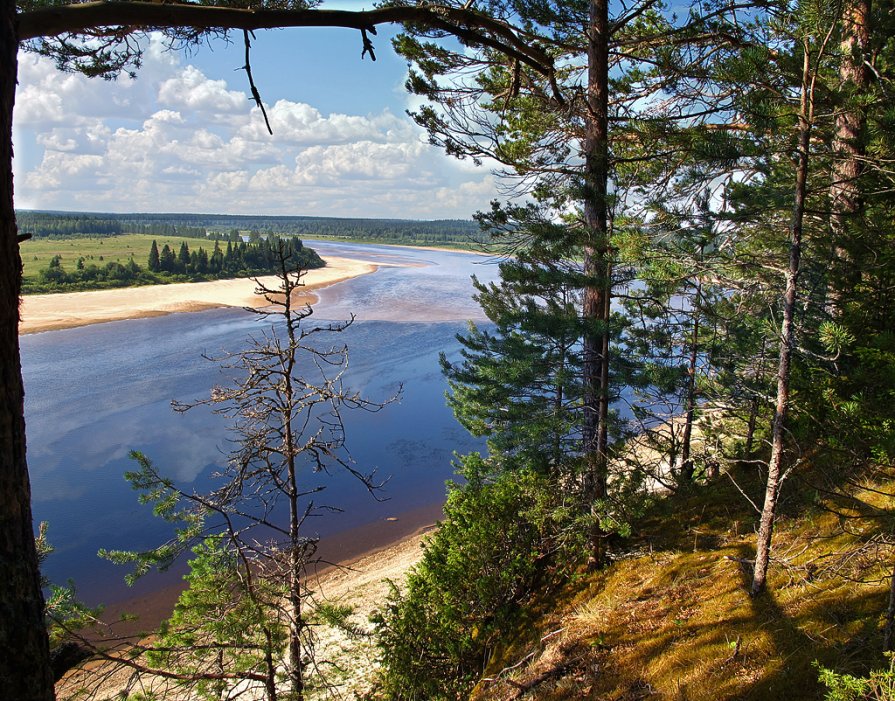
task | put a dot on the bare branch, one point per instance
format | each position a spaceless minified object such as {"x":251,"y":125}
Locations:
{"x":256,"y":96}
{"x":464,"y":23}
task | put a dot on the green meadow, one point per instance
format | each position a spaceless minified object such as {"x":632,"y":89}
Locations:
{"x":37,"y":253}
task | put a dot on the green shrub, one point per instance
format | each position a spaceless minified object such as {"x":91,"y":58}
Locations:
{"x":878,"y":686}
{"x":490,"y":551}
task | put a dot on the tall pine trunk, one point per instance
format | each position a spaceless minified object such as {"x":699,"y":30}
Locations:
{"x":597,"y":269}
{"x":24,"y":649}
{"x":848,"y":148}
{"x":889,"y":627}
{"x":293,"y":583}
{"x":559,"y":400}
{"x":787,"y":334}
{"x":689,"y":417}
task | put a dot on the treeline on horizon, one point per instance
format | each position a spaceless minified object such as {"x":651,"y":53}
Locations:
{"x":238,"y":259}
{"x":65,"y":224}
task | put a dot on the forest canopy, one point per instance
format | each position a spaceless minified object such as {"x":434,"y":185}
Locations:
{"x":407,"y":231}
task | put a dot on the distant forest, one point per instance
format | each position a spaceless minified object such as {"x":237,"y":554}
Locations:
{"x":451,"y":232}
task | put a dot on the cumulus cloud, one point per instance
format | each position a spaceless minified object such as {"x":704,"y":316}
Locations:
{"x":191,"y":91}
{"x":176,"y":139}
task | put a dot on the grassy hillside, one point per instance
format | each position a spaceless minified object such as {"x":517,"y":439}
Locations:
{"x":671,"y":618}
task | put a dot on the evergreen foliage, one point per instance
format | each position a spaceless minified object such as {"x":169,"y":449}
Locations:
{"x":459,"y":232}
{"x":519,"y":382}
{"x":224,"y":621}
{"x":242,"y":260}
{"x":498,"y":540}
{"x":878,"y":686}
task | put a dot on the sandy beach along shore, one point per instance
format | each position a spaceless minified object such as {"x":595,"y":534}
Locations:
{"x":69,"y":309}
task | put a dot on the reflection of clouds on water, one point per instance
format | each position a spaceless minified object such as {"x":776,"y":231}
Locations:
{"x":410,"y":453}
{"x":439,"y":290}
{"x":57,"y":489}
{"x":183,"y":454}
{"x":95,"y":393}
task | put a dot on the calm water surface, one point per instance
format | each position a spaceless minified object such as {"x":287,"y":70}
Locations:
{"x":95,"y":393}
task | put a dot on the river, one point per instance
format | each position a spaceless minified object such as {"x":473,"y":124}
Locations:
{"x":95,"y":393}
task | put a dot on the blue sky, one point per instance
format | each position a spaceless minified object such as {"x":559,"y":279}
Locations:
{"x":184,"y":136}
{"x":318,"y":66}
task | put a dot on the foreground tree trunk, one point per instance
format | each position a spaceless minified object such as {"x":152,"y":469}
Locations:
{"x":597,"y":268}
{"x":296,"y":555}
{"x":787,"y":334}
{"x":24,"y":649}
{"x":889,"y":628}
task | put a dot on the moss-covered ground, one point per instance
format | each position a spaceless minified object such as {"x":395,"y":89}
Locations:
{"x":671,"y":617}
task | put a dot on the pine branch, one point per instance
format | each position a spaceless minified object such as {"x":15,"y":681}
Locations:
{"x":119,"y":19}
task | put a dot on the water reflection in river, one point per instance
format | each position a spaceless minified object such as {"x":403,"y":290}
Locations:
{"x":95,"y":393}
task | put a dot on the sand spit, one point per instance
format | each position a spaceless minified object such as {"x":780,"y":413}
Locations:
{"x":52,"y":312}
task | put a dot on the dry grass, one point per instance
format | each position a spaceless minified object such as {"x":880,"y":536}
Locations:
{"x":672,"y":618}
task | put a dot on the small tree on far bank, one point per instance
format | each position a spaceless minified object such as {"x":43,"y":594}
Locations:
{"x":286,"y":411}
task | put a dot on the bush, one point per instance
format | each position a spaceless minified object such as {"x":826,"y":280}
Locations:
{"x":879,"y":686}
{"x":489,"y":553}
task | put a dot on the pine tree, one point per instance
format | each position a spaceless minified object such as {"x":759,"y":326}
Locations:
{"x":222,"y":624}
{"x":216,"y":263}
{"x":183,"y":258}
{"x":154,"y":265}
{"x":566,"y":144}
{"x":519,"y":383}
{"x":229,"y":262}
{"x":167,"y":260}
{"x":672,"y":338}
{"x":201,"y":264}
{"x":780,"y":91}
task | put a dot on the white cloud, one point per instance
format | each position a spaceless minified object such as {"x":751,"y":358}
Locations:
{"x":191,"y":91}
{"x":63,"y":171}
{"x":175,"y":139}
{"x":471,"y":191}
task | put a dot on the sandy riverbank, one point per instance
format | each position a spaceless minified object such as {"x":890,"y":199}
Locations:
{"x":69,"y":309}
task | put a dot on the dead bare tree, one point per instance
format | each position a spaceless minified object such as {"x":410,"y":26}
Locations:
{"x":286,"y":416}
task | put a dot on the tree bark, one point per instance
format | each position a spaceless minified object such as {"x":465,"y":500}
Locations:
{"x":296,"y":555}
{"x":889,"y":629}
{"x":24,"y":648}
{"x":686,"y":461}
{"x":270,"y":682}
{"x":558,"y":400}
{"x":750,"y":428}
{"x":787,"y":335}
{"x":849,"y":150}
{"x":596,"y":303}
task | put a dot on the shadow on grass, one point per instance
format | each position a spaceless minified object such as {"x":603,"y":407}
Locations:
{"x":834,"y":625}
